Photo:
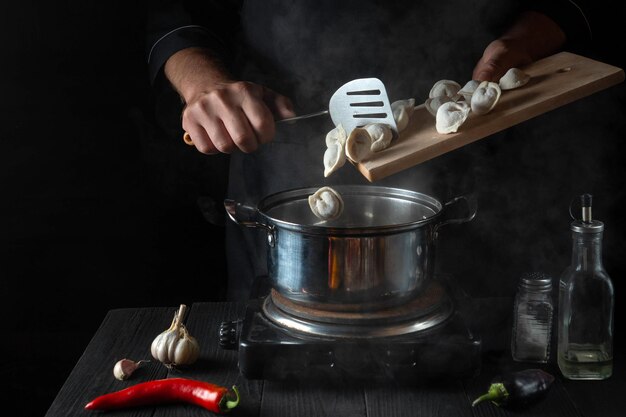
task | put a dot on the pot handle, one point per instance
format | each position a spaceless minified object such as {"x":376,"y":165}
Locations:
{"x":472,"y":207}
{"x":242,"y":215}
{"x":238,"y":212}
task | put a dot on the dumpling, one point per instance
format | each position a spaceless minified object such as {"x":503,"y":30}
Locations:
{"x":451,"y":115}
{"x":402,"y":111}
{"x":334,"y":158}
{"x":485,"y":97}
{"x":380,"y":134}
{"x":359,"y":144}
{"x":326,"y":203}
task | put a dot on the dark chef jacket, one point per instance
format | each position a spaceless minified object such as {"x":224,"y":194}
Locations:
{"x":306,"y":50}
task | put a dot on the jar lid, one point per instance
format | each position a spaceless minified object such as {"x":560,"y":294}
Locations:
{"x":594,"y":226}
{"x":536,"y":281}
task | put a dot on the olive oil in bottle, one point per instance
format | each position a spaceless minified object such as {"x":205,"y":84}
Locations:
{"x":586,"y":302}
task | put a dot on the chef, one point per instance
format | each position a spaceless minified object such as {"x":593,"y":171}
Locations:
{"x":240,"y":66}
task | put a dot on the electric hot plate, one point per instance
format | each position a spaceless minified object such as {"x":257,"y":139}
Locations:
{"x":427,"y":337}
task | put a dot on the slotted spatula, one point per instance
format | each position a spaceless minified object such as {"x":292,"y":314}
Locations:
{"x":357,"y":103}
{"x":354,"y":104}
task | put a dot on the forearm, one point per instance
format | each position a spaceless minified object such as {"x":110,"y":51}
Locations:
{"x":194,"y":71}
{"x":536,"y":35}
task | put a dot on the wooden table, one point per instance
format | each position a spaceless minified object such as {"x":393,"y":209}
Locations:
{"x":127,"y":333}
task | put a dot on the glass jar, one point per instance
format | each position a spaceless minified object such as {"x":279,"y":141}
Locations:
{"x":532,"y":319}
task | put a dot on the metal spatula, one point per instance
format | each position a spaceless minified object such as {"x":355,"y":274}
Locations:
{"x":357,"y":103}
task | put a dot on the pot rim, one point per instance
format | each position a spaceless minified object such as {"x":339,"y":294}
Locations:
{"x":278,"y":198}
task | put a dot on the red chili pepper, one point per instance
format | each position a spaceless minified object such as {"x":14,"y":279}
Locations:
{"x":171,"y":390}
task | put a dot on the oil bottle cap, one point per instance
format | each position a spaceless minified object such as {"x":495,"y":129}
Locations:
{"x":585,"y":224}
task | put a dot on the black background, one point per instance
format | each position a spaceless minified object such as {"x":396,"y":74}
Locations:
{"x":101,"y":209}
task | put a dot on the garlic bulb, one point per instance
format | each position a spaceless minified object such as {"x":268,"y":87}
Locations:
{"x":176,"y":346}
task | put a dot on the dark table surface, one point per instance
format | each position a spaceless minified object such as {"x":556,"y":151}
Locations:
{"x":128,"y":333}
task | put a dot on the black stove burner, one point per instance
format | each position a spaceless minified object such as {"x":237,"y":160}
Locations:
{"x":270,"y":351}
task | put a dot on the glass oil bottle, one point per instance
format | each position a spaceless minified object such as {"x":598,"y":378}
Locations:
{"x":586,"y":303}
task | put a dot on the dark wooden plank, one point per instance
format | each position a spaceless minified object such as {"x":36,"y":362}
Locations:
{"x":303,"y":399}
{"x":443,"y":398}
{"x":124,"y":333}
{"x":215,"y":364}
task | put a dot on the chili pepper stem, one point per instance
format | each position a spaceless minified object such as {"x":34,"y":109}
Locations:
{"x":496,"y":393}
{"x":227,"y":402}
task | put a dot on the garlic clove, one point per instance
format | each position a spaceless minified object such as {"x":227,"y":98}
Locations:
{"x":358,"y":145}
{"x":448,"y":88}
{"x":381,"y":136}
{"x":513,"y":78}
{"x":187,"y":349}
{"x":334,"y":158}
{"x":451,"y":115}
{"x":485,"y":97}
{"x":124,"y":368}
{"x":326,"y":203}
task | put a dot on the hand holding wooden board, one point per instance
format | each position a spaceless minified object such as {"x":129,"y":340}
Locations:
{"x":555,"y":81}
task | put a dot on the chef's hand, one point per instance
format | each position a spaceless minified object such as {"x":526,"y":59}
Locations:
{"x":531,"y":37}
{"x":222,"y":114}
{"x":499,"y":56}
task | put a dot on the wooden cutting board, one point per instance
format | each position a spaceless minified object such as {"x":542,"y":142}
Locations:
{"x":555,"y":81}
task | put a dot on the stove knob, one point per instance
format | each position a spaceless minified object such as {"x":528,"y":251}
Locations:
{"x":229,"y":335}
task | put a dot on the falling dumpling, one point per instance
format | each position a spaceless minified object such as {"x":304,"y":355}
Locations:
{"x":513,"y":78}
{"x":326,"y":203}
{"x":485,"y":97}
{"x":446,"y":88}
{"x":359,"y":144}
{"x":334,"y":158}
{"x":402,"y":111}
{"x":380,"y":134}
{"x":451,"y":115}
{"x":338,"y":134}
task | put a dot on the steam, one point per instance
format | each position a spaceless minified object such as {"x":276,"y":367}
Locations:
{"x":523,"y":178}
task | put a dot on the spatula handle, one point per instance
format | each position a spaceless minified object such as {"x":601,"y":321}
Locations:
{"x":304,"y":116}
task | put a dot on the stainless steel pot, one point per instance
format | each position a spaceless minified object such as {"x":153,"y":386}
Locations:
{"x":378,"y":253}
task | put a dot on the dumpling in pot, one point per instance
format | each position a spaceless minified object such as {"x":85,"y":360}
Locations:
{"x":326,"y":203}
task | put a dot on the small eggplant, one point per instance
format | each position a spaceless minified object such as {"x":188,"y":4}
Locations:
{"x":517,"y":389}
